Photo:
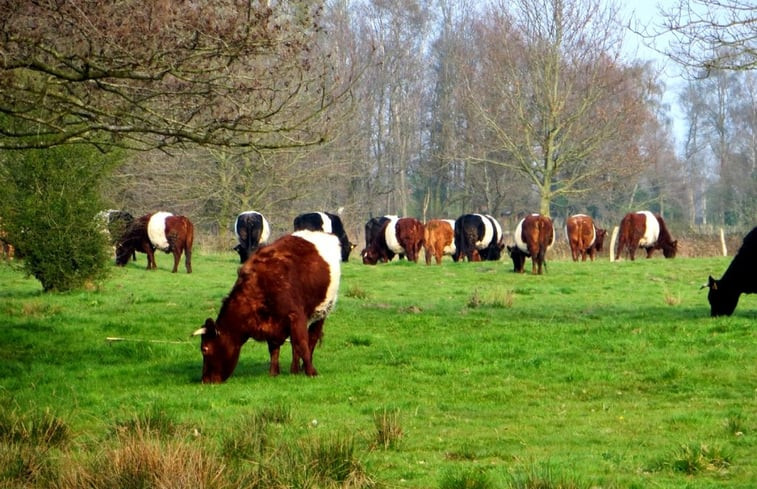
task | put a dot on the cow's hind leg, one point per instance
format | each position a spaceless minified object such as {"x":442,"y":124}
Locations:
{"x":176,"y":259}
{"x":301,"y":345}
{"x":315,"y":333}
{"x":188,"y":258}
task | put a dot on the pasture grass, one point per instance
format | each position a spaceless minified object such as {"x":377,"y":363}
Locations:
{"x":463,"y":375}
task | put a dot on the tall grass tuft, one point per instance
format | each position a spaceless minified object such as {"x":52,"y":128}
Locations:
{"x":356,"y":292}
{"x":153,"y":422}
{"x":27,"y":443}
{"x":465,"y":478}
{"x":496,"y":297}
{"x":249,"y":438}
{"x":25,"y":465}
{"x":41,"y":429}
{"x":735,"y":424}
{"x":544,"y":477}
{"x":316,"y":462}
{"x":694,"y":458}
{"x":388,"y":429}
{"x":140,"y":460}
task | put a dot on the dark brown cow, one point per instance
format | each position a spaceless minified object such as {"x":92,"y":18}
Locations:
{"x":739,"y":278}
{"x":584,"y":238}
{"x":439,"y":239}
{"x":162,"y":231}
{"x":398,"y":235}
{"x":645,"y":230}
{"x":285,"y":289}
{"x":533,"y":236}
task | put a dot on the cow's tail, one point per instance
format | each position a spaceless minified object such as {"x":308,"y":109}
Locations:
{"x":188,"y":243}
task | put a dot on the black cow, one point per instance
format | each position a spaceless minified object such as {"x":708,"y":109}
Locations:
{"x":252,"y":230}
{"x":373,"y":228}
{"x":328,"y":223}
{"x":477,"y":237}
{"x":115,"y":223}
{"x":739,"y":278}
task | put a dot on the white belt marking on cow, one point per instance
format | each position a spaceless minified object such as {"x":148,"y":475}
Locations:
{"x":652,"y":231}
{"x":518,"y":237}
{"x":488,"y":232}
{"x":328,"y":247}
{"x":265,"y":233}
{"x":390,"y":235}
{"x":327,"y":227}
{"x":156,"y":230}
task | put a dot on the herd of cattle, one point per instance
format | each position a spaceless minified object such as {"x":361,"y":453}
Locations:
{"x":286,"y":289}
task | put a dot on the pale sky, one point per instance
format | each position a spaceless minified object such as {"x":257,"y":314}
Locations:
{"x":647,"y":13}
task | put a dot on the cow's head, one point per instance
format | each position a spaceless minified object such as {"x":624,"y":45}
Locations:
{"x":124,"y":252}
{"x":519,"y":258}
{"x":370,"y":256}
{"x":599,"y":241}
{"x":670,"y":250}
{"x":722,"y":302}
{"x":346,"y":250}
{"x":220,"y":353}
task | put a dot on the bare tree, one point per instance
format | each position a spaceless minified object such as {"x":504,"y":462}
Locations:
{"x":711,"y":35}
{"x":556,"y":103}
{"x":158,"y":74}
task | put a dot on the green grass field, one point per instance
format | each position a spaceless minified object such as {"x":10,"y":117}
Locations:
{"x":461,"y":375}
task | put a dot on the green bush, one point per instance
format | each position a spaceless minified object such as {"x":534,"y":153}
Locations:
{"x":51,"y":199}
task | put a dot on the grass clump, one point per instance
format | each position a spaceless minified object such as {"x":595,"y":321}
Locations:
{"x":356,"y":292}
{"x":388,"y":428}
{"x":153,"y":422}
{"x":28,"y":445}
{"x":545,"y":477}
{"x":41,"y":429}
{"x":495,"y":297}
{"x":140,"y":460}
{"x":694,"y":458}
{"x":465,"y":478}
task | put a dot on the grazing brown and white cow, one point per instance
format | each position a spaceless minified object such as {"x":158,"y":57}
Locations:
{"x":286,"y":289}
{"x":328,"y":223}
{"x":402,"y":235}
{"x":533,"y":236}
{"x":739,"y":278}
{"x":478,"y":237}
{"x":162,"y":231}
{"x":643,"y":229}
{"x":584,"y":237}
{"x":252,"y":230}
{"x":439,"y":239}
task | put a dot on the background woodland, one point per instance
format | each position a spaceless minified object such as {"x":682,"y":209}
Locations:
{"x":418,"y":108}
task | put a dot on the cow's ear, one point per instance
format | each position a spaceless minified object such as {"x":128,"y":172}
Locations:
{"x":712,"y":283}
{"x":208,"y":328}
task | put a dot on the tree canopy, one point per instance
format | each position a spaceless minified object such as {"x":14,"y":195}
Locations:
{"x":159,"y":74}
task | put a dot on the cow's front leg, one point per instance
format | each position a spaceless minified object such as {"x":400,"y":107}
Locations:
{"x":274,"y":347}
{"x":176,"y":259}
{"x":151,"y":265}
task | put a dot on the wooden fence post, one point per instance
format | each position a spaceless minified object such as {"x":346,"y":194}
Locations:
{"x":612,"y":243}
{"x":722,"y":242}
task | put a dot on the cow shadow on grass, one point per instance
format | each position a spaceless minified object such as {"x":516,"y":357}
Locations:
{"x":190,"y":371}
